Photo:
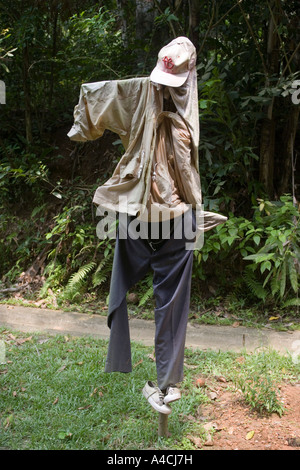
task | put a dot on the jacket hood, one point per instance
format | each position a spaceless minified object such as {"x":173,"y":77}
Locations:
{"x":185,"y":99}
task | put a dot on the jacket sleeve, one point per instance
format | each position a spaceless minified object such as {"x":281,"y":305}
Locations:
{"x":105,"y":105}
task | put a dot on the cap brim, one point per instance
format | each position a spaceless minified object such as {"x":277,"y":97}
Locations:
{"x":168,"y":79}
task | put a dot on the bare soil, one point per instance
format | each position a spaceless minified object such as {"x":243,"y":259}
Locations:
{"x":232,"y":425}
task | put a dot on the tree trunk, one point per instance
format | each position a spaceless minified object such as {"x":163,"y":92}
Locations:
{"x":54,"y":42}
{"x":123,"y":17}
{"x":27,"y":98}
{"x":287,"y":170}
{"x":194,"y":21}
{"x":287,"y":157}
{"x":267,"y":146}
{"x":267,"y":142}
{"x":144,"y":18}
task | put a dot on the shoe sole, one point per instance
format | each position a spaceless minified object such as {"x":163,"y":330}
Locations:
{"x":170,"y":400}
{"x":155,"y":405}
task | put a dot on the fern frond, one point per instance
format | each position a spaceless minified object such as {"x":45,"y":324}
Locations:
{"x":103,"y":270}
{"x":254,"y":285}
{"x":148,"y":282}
{"x":146,"y":296}
{"x":283,"y":279}
{"x":275,"y":285}
{"x":295,"y":302}
{"x":77,"y":279}
{"x":293,"y":275}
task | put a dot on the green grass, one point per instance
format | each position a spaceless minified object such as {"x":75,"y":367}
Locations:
{"x":55,"y":395}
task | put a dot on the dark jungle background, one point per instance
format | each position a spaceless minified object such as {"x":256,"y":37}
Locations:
{"x":248,"y":67}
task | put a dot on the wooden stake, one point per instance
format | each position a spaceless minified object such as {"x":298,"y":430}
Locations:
{"x":162,"y":425}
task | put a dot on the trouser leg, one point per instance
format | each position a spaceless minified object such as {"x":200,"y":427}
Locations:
{"x":131,"y":263}
{"x":172,"y":267}
{"x":119,"y":350}
{"x":172,"y":292}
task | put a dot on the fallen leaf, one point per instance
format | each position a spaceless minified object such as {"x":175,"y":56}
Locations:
{"x":20,"y":340}
{"x":23,"y":340}
{"x":138,"y":363}
{"x":84,"y":407}
{"x":42,"y":341}
{"x":94,"y":391}
{"x":250,"y":434}
{"x":151,"y":356}
{"x":40,"y":303}
{"x":273,"y":318}
{"x":55,"y":401}
{"x":190,"y":366}
{"x":235,"y":324}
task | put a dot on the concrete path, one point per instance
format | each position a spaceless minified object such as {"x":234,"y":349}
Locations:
{"x":223,"y":338}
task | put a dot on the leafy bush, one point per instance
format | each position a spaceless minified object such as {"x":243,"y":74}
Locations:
{"x":85,"y":263}
{"x":270,"y":242}
{"x":278,"y":258}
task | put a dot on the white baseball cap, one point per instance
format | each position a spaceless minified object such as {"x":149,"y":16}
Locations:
{"x":175,"y":60}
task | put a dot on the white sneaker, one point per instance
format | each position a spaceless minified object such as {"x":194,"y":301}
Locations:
{"x":172,"y":394}
{"x":156,"y":398}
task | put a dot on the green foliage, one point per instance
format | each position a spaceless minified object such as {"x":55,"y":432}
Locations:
{"x":21,"y":171}
{"x":260,"y":393}
{"x":103,"y":271}
{"x":227,"y":158}
{"x":47,"y":49}
{"x":78,"y":283}
{"x":146,"y":287}
{"x":165,"y":18}
{"x":270,"y":241}
{"x":77,"y":279}
{"x":92,"y":45}
{"x":76,"y":242}
{"x":278,"y":258}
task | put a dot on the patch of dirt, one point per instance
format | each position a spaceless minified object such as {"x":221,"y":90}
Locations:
{"x":232,"y":425}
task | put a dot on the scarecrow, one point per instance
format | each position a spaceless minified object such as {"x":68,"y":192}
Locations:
{"x":156,"y":185}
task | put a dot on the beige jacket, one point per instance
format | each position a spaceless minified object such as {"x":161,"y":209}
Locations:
{"x":132,"y":109}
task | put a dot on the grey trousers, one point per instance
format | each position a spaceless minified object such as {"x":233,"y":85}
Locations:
{"x":171,"y":263}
